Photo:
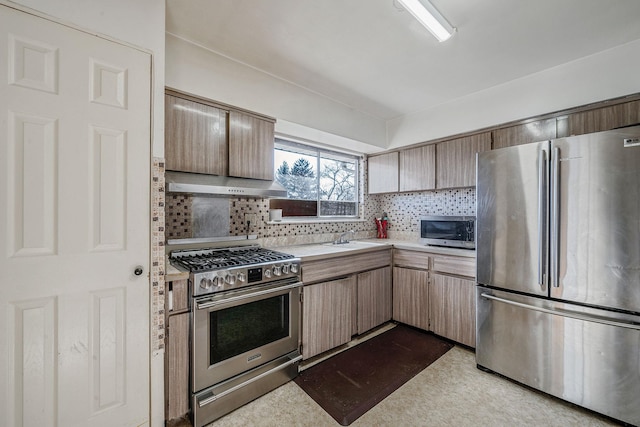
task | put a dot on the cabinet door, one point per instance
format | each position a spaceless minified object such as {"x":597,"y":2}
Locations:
{"x":195,"y":137}
{"x":177,"y":367}
{"x":541,"y":130}
{"x":452,"y":308}
{"x":383,"y":173}
{"x":326,"y":316}
{"x":418,"y":168}
{"x":251,"y":142}
{"x":411,"y":297}
{"x":605,"y":118}
{"x":374,"y":298}
{"x":177,"y":297}
{"x":456,"y":160}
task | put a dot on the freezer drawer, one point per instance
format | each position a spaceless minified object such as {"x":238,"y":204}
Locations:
{"x":585,"y":356}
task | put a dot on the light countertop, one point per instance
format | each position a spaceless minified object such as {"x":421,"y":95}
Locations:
{"x":172,"y":274}
{"x":315,"y":251}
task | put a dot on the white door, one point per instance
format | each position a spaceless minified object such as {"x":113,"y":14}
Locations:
{"x":74,"y":224}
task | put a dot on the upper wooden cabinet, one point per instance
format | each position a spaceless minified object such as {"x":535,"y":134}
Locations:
{"x":383,"y":173}
{"x":604,"y":118}
{"x":251,"y":142}
{"x":203,"y":136}
{"x":456,"y":160}
{"x":540,"y":130}
{"x":418,"y":168}
{"x":594,"y":120}
{"x":195,"y":137}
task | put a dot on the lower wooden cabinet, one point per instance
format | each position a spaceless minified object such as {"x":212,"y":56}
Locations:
{"x":177,"y":366}
{"x":374,"y":298}
{"x":326,"y":320}
{"x":452,"y":308}
{"x":411,"y":297}
{"x":176,"y":362}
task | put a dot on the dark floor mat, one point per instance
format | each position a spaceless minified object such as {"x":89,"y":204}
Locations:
{"x":349,"y":384}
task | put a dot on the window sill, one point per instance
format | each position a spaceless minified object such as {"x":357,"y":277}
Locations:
{"x":314,"y":220}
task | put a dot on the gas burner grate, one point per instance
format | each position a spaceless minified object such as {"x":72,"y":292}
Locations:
{"x":212,"y":259}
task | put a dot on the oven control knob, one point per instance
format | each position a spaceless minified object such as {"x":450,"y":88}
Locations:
{"x":267,"y":273}
{"x":294,"y":268}
{"x":277,"y":270}
{"x":218,"y":281}
{"x":230,"y":279}
{"x":285,"y":269}
{"x":241,"y":277}
{"x":205,"y":283}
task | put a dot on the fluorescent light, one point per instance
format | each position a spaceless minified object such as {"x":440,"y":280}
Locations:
{"x":429,"y":16}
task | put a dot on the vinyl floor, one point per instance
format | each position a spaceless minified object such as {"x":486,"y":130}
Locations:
{"x":450,"y":392}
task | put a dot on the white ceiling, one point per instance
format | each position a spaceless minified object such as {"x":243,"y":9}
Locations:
{"x":372,"y":56}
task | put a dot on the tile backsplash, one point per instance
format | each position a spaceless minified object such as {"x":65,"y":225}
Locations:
{"x":178,"y":216}
{"x":403,"y":211}
{"x":157,"y":268}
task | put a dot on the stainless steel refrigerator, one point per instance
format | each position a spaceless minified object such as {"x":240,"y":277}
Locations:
{"x":558,"y":255}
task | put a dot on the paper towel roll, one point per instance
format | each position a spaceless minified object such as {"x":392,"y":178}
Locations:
{"x":275,"y":214}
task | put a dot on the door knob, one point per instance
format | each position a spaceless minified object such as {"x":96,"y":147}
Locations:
{"x":138,"y":271}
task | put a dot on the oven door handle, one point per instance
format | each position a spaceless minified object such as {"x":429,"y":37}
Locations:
{"x":214,"y":397}
{"x":212,"y":303}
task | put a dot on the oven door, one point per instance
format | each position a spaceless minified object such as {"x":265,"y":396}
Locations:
{"x":238,"y":330}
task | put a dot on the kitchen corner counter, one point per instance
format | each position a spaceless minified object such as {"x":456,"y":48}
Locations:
{"x":315,"y":251}
{"x":172,"y":274}
{"x":310,"y":252}
{"x":415,"y":246}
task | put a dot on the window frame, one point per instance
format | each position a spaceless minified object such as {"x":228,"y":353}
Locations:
{"x":320,"y":152}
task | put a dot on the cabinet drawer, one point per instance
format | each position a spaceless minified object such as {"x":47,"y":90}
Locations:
{"x":411,"y":259}
{"x":313,"y":271}
{"x":461,"y":266}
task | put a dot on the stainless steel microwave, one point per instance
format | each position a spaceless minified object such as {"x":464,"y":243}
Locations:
{"x":452,"y":231}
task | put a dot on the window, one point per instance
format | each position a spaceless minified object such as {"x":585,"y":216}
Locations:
{"x":319,"y":182}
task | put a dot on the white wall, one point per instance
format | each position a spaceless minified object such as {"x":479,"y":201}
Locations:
{"x":195,"y":70}
{"x":608,"y":74}
{"x":136,"y":22}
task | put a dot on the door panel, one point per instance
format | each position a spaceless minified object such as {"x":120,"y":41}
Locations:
{"x":562,"y":349}
{"x":74,"y":223}
{"x":507,"y":238}
{"x":599,"y":254}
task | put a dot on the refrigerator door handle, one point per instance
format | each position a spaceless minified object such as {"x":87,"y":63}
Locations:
{"x":565,"y":313}
{"x":555,"y":217}
{"x":542,"y":215}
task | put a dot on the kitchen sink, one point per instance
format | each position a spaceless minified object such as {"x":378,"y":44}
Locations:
{"x":353,"y":244}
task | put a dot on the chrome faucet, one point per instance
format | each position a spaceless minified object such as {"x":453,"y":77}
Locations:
{"x":342,"y":239}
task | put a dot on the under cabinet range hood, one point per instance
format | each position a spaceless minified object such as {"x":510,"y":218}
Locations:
{"x":182,"y":182}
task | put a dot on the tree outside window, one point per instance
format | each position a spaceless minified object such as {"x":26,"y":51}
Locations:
{"x":319,"y":183}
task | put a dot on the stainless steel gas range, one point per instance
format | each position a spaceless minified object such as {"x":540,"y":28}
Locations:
{"x":245,"y":324}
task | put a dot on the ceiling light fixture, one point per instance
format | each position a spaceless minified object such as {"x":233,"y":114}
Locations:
{"x":429,"y":16}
